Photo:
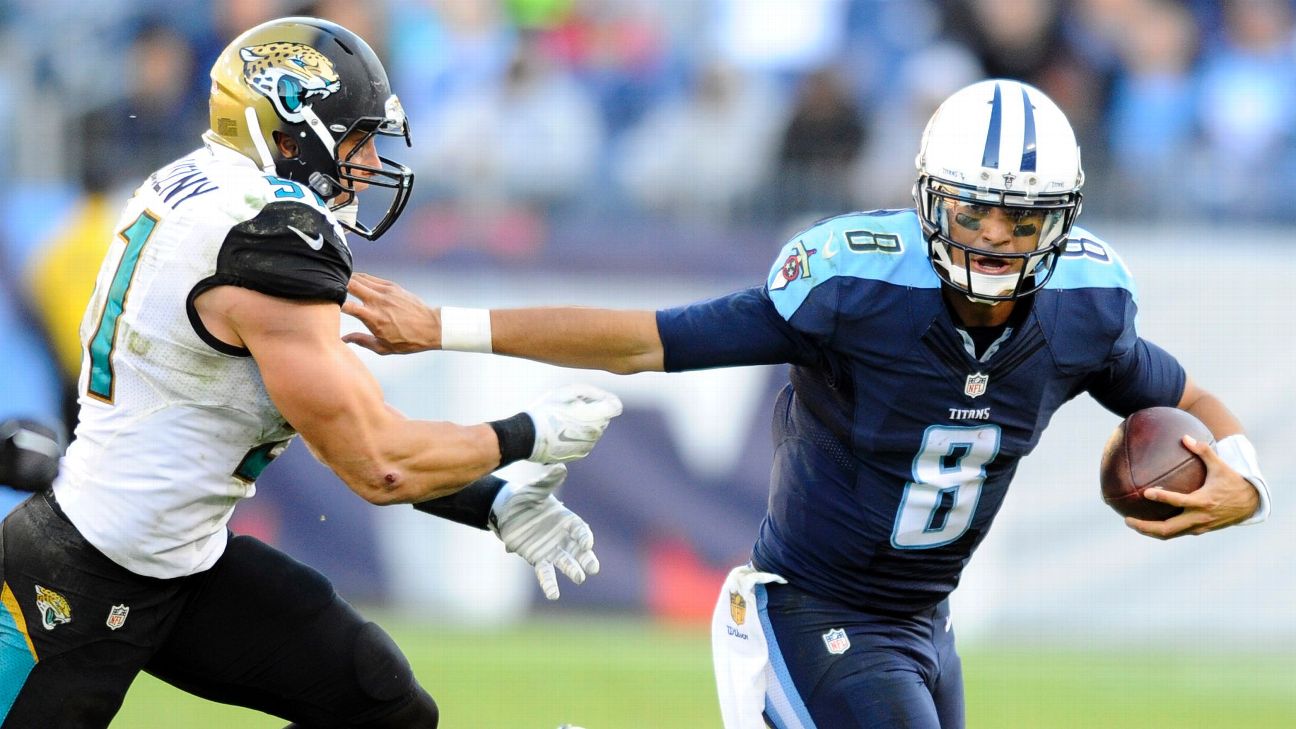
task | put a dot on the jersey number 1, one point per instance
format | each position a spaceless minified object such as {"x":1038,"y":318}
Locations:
{"x":948,"y":472}
{"x":100,"y":383}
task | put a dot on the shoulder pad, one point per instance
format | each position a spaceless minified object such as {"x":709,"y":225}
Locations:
{"x":1090,"y":262}
{"x":246,"y":191}
{"x":885,"y":245}
{"x":288,"y":249}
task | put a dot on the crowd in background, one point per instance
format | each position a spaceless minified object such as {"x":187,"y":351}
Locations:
{"x":712,"y":110}
{"x":538,"y":119}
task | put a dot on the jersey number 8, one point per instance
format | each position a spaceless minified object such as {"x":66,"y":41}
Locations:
{"x":948,"y":473}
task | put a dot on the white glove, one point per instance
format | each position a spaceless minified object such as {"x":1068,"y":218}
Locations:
{"x":569,"y":421}
{"x":538,"y":528}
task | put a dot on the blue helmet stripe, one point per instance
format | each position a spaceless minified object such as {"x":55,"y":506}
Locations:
{"x":1028,"y":143}
{"x":990,"y":158}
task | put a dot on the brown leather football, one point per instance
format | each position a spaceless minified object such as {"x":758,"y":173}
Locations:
{"x":1146,"y":450}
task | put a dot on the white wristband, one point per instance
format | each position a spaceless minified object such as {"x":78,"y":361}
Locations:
{"x":465,"y":330}
{"x":1240,"y":455}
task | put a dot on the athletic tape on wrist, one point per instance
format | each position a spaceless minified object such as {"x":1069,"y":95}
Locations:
{"x":1240,"y":455}
{"x":465,"y":330}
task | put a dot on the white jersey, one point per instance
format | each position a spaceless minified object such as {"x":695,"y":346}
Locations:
{"x":175,"y":425}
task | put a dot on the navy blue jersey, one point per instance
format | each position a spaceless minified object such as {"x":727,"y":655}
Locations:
{"x":894,"y":444}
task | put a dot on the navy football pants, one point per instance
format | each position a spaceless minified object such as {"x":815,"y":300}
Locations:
{"x":851,"y":669}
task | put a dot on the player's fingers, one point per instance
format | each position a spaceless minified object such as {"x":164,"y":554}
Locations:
{"x":599,"y":403}
{"x":360,"y":286}
{"x":581,"y":545}
{"x":1175,"y":526}
{"x":1173,"y":498}
{"x":357,"y":309}
{"x":370,"y":280}
{"x":544,"y":571}
{"x":551,"y":478}
{"x":1154,"y":529}
{"x":582,"y":535}
{"x":1203,"y":451}
{"x":588,"y":561}
{"x":368,"y":341}
{"x":568,"y":565}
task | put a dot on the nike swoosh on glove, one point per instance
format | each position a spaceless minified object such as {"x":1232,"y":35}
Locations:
{"x":569,"y":421}
{"x":536,"y":526}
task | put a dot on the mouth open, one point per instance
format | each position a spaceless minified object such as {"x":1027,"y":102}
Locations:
{"x":990,"y":265}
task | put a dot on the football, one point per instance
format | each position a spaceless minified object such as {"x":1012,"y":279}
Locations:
{"x":1146,"y":450}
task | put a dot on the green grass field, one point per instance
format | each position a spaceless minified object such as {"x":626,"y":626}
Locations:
{"x":602,"y":674}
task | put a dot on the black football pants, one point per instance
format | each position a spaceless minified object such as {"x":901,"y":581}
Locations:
{"x":259,"y":629}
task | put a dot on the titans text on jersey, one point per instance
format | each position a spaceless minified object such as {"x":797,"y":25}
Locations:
{"x":894,"y":441}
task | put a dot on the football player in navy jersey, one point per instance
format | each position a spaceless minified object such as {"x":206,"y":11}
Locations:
{"x":929,"y":349}
{"x":211,"y":341}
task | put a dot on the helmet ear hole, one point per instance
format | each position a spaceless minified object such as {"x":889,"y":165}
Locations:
{"x":288,"y":148}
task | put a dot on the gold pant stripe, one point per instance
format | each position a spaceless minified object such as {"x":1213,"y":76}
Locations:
{"x":11,"y":604}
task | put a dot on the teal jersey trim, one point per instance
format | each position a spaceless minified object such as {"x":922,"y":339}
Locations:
{"x":101,"y":345}
{"x":250,"y":468}
{"x":16,"y":661}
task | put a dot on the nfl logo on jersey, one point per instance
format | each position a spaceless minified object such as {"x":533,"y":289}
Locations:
{"x":976,"y":384}
{"x":836,"y":641}
{"x":117,"y":616}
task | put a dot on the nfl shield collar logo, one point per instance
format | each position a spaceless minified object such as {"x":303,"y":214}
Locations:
{"x":737,"y":608}
{"x":836,"y":641}
{"x":976,"y":384}
{"x":117,"y":616}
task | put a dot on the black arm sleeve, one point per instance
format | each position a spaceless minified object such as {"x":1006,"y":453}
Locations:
{"x":741,"y":328}
{"x":470,"y":505}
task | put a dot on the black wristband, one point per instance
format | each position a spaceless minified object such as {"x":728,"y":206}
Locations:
{"x":470,"y":505}
{"x":517,"y":437}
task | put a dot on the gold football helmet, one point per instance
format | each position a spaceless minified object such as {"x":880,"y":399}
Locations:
{"x":316,"y":82}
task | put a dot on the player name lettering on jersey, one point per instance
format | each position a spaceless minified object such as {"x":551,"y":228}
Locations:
{"x":184,"y":178}
{"x":969,"y":414}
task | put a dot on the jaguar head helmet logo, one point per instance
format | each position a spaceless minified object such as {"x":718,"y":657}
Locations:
{"x":53,"y":607}
{"x":289,"y":75}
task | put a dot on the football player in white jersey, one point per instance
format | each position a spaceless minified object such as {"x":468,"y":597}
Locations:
{"x":212,"y":340}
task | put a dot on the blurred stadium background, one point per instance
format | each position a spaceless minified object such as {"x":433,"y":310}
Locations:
{"x":647,"y":152}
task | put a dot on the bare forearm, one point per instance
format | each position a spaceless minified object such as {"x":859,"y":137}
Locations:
{"x":622,"y":342}
{"x":400,"y":323}
{"x":414,"y":461}
{"x":1210,"y":410}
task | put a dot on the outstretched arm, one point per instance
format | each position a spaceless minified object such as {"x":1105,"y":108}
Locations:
{"x":327,"y":394}
{"x":622,"y":342}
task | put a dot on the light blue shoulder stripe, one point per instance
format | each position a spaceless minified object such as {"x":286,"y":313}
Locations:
{"x":1090,"y":262}
{"x":881,"y":245}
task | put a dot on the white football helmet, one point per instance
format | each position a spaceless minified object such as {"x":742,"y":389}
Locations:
{"x":998,"y":143}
